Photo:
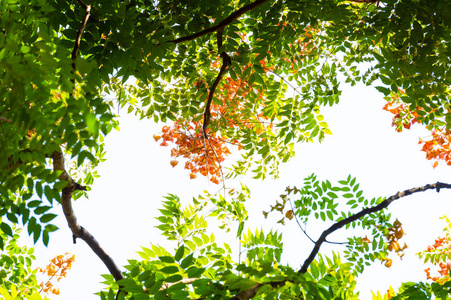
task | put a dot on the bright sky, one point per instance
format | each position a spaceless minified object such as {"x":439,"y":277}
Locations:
{"x":125,"y":199}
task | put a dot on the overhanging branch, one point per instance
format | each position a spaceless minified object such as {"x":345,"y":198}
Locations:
{"x":232,"y":17}
{"x":77,"y":230}
{"x":226,"y":61}
{"x":250,"y":293}
{"x":384,"y":204}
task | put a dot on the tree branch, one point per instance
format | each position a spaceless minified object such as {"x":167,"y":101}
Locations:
{"x":67,"y":192}
{"x":232,"y":17}
{"x":87,"y":9}
{"x":226,"y":61}
{"x":437,"y":186}
{"x":3,"y":119}
{"x":77,"y":230}
{"x":83,"y":5}
{"x":167,"y":285}
{"x":250,"y":293}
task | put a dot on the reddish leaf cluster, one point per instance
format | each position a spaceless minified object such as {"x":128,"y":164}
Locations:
{"x":443,"y":246}
{"x":437,"y":147}
{"x":57,"y":268}
{"x":205,"y":154}
{"x":403,"y":116}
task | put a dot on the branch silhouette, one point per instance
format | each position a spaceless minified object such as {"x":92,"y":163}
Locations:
{"x":226,"y":61}
{"x":232,"y":17}
{"x":250,"y":293}
{"x":384,"y":204}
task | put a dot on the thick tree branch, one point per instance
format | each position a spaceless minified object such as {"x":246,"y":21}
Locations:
{"x":232,"y":17}
{"x":77,"y":230}
{"x":226,"y":61}
{"x":437,"y":186}
{"x":249,"y":294}
{"x":66,"y":195}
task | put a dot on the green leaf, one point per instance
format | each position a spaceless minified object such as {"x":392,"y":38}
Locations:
{"x":41,"y":209}
{"x":180,"y":252}
{"x":314,"y":270}
{"x":45,"y":238}
{"x":170,"y":270}
{"x":6,"y":229}
{"x":48,"y":193}
{"x":38,"y":187}
{"x":195,"y":272}
{"x":330,"y":216}
{"x":50,"y":228}
{"x":25,"y":49}
{"x":92,"y":124}
{"x":198,"y":241}
{"x":174,"y":278}
{"x":240,"y":230}
{"x":188,"y":261}
{"x":47,"y":218}
{"x":167,"y":259}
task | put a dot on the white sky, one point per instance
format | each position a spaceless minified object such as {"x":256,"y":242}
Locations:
{"x":124,"y":200}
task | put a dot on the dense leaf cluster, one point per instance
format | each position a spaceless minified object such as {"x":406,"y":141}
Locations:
{"x":255,"y":74}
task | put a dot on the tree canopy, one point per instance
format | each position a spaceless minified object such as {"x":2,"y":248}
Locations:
{"x":220,"y":76}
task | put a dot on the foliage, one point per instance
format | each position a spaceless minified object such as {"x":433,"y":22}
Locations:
{"x":17,"y":279}
{"x":216,"y":73}
{"x":56,"y":269}
{"x":439,"y":255}
{"x":198,"y":267}
{"x":322,"y":201}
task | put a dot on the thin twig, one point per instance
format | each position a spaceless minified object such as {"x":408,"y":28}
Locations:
{"x":297,"y":221}
{"x":284,"y":80}
{"x":219,"y":165}
{"x":87,"y":9}
{"x":336,"y":243}
{"x":226,"y":141}
{"x":190,"y":151}
{"x":5,"y":120}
